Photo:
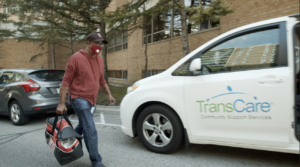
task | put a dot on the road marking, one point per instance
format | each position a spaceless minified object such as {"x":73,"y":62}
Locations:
{"x":102,"y":118}
{"x":107,"y":109}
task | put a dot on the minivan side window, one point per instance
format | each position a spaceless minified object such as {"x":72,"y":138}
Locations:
{"x":249,"y":51}
{"x":253,"y":50}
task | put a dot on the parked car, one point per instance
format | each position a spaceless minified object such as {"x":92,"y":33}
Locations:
{"x":239,"y":89}
{"x":26,"y":92}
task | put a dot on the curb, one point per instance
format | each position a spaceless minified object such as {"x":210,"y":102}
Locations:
{"x":113,"y":110}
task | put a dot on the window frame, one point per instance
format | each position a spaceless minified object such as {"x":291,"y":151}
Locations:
{"x":124,"y":42}
{"x":122,"y":71}
{"x":282,"y":49}
{"x":171,"y":29}
{"x":14,"y":8}
{"x":6,"y":10}
{"x":12,"y":76}
{"x":15,"y":73}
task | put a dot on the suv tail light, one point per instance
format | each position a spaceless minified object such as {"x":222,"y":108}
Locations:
{"x":30,"y":86}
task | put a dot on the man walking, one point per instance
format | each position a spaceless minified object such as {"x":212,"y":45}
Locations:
{"x":83,"y":78}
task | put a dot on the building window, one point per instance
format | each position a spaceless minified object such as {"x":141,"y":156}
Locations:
{"x":168,"y":25}
{"x":152,"y":72}
{"x":206,"y":24}
{"x":15,"y":8}
{"x":6,"y":10}
{"x":119,"y":74}
{"x":117,"y":41}
{"x":11,"y":9}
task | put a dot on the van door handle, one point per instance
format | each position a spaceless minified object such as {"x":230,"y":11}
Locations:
{"x":271,"y":80}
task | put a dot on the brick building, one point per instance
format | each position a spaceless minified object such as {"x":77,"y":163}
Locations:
{"x":125,"y":58}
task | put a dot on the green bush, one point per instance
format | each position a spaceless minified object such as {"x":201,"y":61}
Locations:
{"x":117,"y":92}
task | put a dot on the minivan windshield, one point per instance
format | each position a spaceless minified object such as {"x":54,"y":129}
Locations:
{"x":48,"y":75}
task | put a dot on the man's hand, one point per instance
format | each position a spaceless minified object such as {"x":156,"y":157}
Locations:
{"x":62,"y":96}
{"x":61,"y":108}
{"x":111,"y":99}
{"x":107,"y":91}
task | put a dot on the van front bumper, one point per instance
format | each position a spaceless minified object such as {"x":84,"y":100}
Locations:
{"x":126,"y":114}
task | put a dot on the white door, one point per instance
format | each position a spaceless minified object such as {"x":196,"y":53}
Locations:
{"x":243,"y":93}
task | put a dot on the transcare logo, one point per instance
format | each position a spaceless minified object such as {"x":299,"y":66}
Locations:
{"x":239,"y":105}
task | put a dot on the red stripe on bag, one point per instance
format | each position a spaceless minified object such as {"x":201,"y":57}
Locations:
{"x":64,"y":124}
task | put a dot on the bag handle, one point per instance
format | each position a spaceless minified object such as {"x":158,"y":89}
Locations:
{"x":56,"y":119}
{"x":54,"y":124}
{"x":67,"y":119}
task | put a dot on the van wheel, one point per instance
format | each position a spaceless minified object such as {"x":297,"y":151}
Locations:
{"x":160,"y":129}
{"x":17,"y":116}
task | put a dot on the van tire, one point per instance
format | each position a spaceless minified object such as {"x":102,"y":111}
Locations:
{"x":16,"y":114}
{"x":173,"y":135}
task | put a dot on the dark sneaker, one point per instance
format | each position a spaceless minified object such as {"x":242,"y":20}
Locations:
{"x":99,"y":165}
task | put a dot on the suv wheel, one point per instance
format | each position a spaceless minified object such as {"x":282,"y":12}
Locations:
{"x":16,"y":114}
{"x":159,"y":129}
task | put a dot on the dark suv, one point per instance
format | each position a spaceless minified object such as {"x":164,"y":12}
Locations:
{"x":25,"y":92}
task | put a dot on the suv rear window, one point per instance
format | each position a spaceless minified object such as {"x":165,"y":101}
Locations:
{"x":48,"y":75}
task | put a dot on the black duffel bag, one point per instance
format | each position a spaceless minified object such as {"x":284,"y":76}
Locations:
{"x":63,"y":140}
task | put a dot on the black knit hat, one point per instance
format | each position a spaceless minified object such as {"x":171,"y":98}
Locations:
{"x":95,"y":36}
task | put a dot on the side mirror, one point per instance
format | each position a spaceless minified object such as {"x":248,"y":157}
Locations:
{"x":195,"y":66}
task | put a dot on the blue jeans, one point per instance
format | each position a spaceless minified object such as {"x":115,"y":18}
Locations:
{"x":87,"y":127}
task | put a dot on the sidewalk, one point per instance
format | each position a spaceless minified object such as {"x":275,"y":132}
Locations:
{"x":113,"y":110}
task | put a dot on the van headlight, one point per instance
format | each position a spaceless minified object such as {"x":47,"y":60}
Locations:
{"x":132,"y":88}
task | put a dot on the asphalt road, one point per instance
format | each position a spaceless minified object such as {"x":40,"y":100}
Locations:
{"x":25,"y":146}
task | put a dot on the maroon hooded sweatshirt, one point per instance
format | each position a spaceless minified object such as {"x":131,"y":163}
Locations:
{"x":84,"y":76}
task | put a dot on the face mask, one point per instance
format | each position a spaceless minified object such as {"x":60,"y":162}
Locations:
{"x":96,"y":49}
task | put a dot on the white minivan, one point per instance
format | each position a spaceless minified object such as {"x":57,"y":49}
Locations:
{"x":240,"y":89}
